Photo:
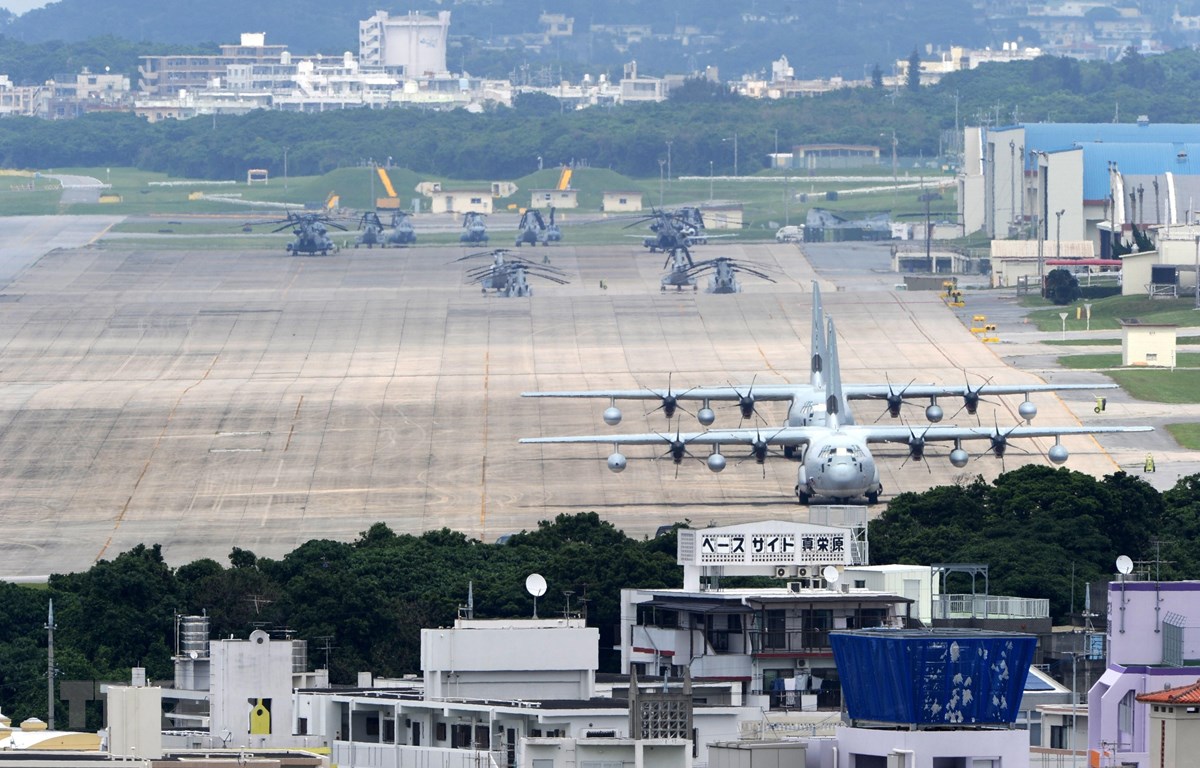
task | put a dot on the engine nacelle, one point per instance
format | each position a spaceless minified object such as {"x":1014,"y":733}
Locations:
{"x":706,"y":416}
{"x":1058,"y":453}
{"x":916,"y":448}
{"x":716,"y":462}
{"x":934,"y":413}
{"x":612,"y":416}
{"x":1027,"y":410}
{"x":959,"y":457}
{"x":617,"y":462}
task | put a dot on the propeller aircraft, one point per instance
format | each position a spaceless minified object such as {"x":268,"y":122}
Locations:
{"x":836,"y":461}
{"x":679,"y":276}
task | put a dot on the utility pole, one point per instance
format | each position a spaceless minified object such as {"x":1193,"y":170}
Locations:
{"x":668,"y":160}
{"x":50,"y":672}
{"x":285,"y":168}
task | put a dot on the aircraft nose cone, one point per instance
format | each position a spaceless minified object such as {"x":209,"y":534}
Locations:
{"x":841,"y":474}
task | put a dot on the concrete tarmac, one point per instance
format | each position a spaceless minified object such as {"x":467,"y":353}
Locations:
{"x":259,"y":400}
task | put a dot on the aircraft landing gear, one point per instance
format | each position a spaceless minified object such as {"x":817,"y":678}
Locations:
{"x":789,"y":451}
{"x":802,"y":497}
{"x":872,"y":498}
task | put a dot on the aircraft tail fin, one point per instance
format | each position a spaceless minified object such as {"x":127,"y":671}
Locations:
{"x":818,"y":351}
{"x":835,"y":410}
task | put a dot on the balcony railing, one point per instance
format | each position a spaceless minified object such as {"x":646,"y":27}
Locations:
{"x":789,"y":641}
{"x":952,"y":606}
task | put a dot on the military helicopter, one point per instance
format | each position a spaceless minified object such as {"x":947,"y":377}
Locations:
{"x":402,"y":232}
{"x":679,"y":259}
{"x":722,"y":274}
{"x":311,"y":231}
{"x":668,"y":231}
{"x":533,"y":229}
{"x":371,"y":231}
{"x":508,"y":273}
{"x":475,"y":228}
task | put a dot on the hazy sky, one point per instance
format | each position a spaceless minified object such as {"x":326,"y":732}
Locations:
{"x":20,"y":6}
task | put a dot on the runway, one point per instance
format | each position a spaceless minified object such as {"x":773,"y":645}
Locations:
{"x":253,"y":399}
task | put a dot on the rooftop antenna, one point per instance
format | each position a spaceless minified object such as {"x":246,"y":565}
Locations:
{"x":567,"y":594}
{"x":326,"y":645}
{"x":831,"y":575}
{"x":535,"y":584}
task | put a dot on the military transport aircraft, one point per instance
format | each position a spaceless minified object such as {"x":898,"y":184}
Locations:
{"x":806,"y":400}
{"x":508,"y":273}
{"x":837,"y":461}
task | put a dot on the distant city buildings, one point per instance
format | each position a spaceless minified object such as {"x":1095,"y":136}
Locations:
{"x":402,"y":61}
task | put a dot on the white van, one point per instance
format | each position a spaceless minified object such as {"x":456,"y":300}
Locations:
{"x":790,"y":234}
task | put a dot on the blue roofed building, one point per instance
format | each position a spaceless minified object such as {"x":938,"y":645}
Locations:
{"x":1078,"y":181}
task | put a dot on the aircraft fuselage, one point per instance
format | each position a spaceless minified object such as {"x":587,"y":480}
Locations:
{"x":838,"y":466}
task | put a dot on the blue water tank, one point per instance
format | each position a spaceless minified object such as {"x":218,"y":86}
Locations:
{"x":928,"y":678}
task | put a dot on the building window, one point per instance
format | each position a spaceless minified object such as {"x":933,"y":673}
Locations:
{"x":1057,"y":738}
{"x":439,"y":732}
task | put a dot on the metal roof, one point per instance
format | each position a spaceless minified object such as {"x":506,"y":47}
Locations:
{"x":1181,"y":159}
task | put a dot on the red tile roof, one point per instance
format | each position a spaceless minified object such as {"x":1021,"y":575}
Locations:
{"x":1187,"y":694}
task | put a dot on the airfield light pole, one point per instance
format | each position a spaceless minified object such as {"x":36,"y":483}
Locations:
{"x":668,"y":160}
{"x":710,"y":196}
{"x":285,"y":151}
{"x":1058,"y":233}
{"x":735,"y":153}
{"x":1063,"y":316}
{"x":1087,"y":313}
{"x":1197,"y":272}
{"x":661,"y":163}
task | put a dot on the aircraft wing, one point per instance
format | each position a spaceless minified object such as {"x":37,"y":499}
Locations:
{"x":887,"y":434}
{"x":882,"y":391}
{"x":761,"y":392}
{"x":776,"y":436}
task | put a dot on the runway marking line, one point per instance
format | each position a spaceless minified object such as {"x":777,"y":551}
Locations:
{"x":146,"y":466}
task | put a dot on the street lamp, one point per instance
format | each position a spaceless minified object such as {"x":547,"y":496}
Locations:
{"x":735,"y":157}
{"x":285,"y":151}
{"x":1063,"y":316}
{"x":668,"y":161}
{"x":661,"y":164}
{"x":1087,"y":313}
{"x":710,"y":196}
{"x":1058,"y":233}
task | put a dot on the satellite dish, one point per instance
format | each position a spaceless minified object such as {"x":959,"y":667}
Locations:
{"x":831,"y":574}
{"x":193,"y":655}
{"x":535,"y":584}
{"x":1124,"y":565}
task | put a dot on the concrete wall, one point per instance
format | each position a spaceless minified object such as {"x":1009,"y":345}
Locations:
{"x":1150,"y":345}
{"x":134,"y":721}
{"x":463,"y":201}
{"x":245,"y":673}
{"x":920,"y":749}
{"x":547,"y":658}
{"x":1174,"y":734}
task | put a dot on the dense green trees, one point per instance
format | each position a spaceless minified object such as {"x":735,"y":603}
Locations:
{"x":1036,"y":525}
{"x":505,"y":143}
{"x":367,"y":599}
{"x":1040,"y":529}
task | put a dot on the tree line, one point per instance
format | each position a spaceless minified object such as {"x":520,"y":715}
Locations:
{"x":700,"y":121}
{"x":1045,"y":533}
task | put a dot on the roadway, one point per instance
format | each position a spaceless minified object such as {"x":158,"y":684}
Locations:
{"x":252,"y":399}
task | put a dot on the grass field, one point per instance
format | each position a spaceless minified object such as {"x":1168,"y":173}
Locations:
{"x":1106,"y":312}
{"x":769,"y":199}
{"x":1187,"y":435}
{"x":1113,"y":342}
{"x":1165,"y":386}
{"x":1109,"y":360}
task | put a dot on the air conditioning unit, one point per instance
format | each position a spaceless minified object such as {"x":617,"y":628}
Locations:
{"x":782,"y":571}
{"x":801,"y":571}
{"x":795,"y":586}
